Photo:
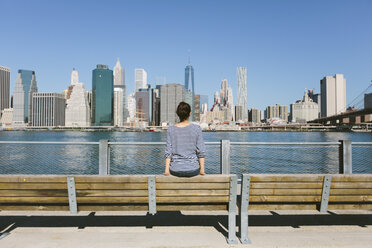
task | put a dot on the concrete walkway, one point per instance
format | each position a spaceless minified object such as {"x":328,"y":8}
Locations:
{"x":186,"y":229}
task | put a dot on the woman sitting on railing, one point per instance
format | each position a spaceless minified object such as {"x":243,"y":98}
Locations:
{"x":185,"y":149}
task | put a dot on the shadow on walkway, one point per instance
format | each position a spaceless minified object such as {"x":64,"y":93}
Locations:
{"x":169,"y":219}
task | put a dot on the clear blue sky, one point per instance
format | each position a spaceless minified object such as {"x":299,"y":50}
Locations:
{"x":287,"y":46}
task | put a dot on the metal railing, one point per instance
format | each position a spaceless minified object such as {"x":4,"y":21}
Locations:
{"x":105,"y":157}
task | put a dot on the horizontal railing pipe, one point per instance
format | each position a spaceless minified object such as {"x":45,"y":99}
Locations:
{"x":49,"y":142}
{"x":285,"y":143}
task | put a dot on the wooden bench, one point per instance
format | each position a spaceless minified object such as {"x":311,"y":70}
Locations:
{"x":122,"y":193}
{"x":303,"y":192}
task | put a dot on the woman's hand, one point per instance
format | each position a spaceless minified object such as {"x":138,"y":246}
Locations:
{"x":202,"y":173}
{"x":166,"y":173}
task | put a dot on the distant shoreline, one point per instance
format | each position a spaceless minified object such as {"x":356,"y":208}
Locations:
{"x":275,"y":129}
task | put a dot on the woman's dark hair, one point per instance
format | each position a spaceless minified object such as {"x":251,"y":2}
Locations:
{"x":183,"y":111}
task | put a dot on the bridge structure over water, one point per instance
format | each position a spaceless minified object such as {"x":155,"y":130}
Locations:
{"x":359,"y":117}
{"x":355,"y":113}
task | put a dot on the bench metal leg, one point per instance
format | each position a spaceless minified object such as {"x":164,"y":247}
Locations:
{"x":152,"y":194}
{"x":325,"y":193}
{"x":72,"y":195}
{"x":243,"y":228}
{"x":232,"y":211}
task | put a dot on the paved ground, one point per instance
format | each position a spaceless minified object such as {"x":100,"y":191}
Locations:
{"x":186,"y":229}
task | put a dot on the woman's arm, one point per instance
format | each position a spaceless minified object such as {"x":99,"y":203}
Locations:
{"x":201,"y":162}
{"x":168,"y":154}
{"x":200,"y":151}
{"x":167,"y":163}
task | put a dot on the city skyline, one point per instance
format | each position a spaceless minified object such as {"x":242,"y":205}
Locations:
{"x":286,"y":47}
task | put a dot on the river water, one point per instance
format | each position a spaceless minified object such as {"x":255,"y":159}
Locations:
{"x":144,"y":159}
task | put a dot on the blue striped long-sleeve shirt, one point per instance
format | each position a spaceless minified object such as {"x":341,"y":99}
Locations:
{"x":184,"y":146}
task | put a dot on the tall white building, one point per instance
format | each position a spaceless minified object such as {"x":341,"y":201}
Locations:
{"x":140,"y":78}
{"x":119,"y":74}
{"x":74,"y":77}
{"x":22,"y":98}
{"x":131,"y":107}
{"x":119,"y":105}
{"x":77,"y":105}
{"x":242,"y":90}
{"x":230,"y":102}
{"x":304,"y":110}
{"x":333,"y":95}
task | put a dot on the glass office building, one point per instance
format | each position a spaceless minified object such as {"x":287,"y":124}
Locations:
{"x":22,"y":97}
{"x":103,"y":96}
{"x":189,"y":86}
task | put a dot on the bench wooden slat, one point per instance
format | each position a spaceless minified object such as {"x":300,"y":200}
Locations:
{"x":286,"y":185}
{"x":113,"y":207}
{"x":282,"y":206}
{"x":351,"y":191}
{"x":279,"y":198}
{"x":33,"y":199}
{"x":34,"y":208}
{"x":286,"y":178}
{"x":112,"y":179}
{"x":351,"y":185}
{"x":292,"y":191}
{"x":86,"y":193}
{"x":214,"y":207}
{"x":33,"y":185}
{"x":350,"y":206}
{"x":34,"y":192}
{"x":32,"y":179}
{"x":197,"y":179}
{"x":350,"y":198}
{"x":112,"y":199}
{"x":108,"y":186}
{"x":192,"y":186}
{"x":208,"y":192}
{"x":352,"y":178}
{"x":187,"y":199}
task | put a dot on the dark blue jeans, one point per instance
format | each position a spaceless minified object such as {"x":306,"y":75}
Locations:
{"x":185,"y":173}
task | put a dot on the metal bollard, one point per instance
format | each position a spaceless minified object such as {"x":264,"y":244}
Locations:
{"x":345,"y":158}
{"x":104,"y":157}
{"x":225,"y":157}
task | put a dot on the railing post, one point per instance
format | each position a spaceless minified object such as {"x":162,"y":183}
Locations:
{"x":345,"y":157}
{"x":225,"y":157}
{"x":104,"y":157}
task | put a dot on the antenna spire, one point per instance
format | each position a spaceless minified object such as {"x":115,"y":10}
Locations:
{"x":189,"y":51}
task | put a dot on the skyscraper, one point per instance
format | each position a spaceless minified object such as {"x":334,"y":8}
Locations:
{"x":120,"y":108}
{"x":277,"y":111}
{"x":132,"y":107}
{"x":48,"y":110}
{"x":189,"y":78}
{"x":190,"y":88}
{"x":170,"y":96}
{"x":333,"y":95}
{"x":223,"y":93}
{"x":254,"y":115}
{"x":140,"y":78}
{"x":22,"y":97}
{"x":119,"y":105}
{"x":119,"y":74}
{"x":242,"y":90}
{"x":103,"y":96}
{"x":77,"y":103}
{"x":4,"y":88}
